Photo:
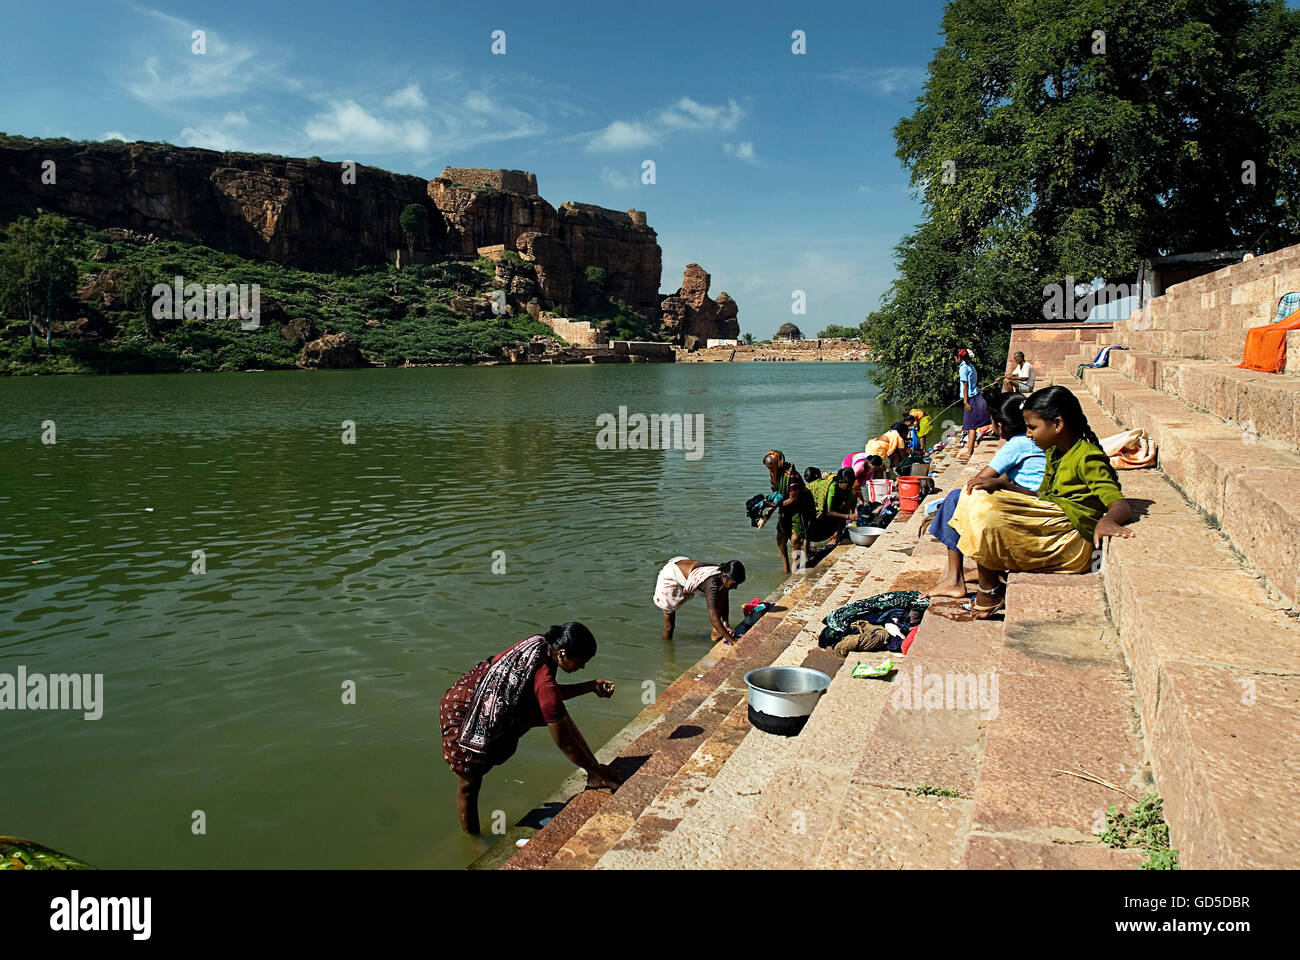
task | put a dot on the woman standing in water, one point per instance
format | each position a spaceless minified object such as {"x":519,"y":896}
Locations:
{"x":488,"y":709}
{"x":794,"y":506}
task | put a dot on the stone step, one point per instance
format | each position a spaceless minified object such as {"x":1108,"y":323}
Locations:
{"x":1216,"y":669}
{"x":666,"y":715}
{"x":1063,"y":705}
{"x":591,"y":841}
{"x":1262,"y":403}
{"x":691,"y":822}
{"x":1248,"y":487}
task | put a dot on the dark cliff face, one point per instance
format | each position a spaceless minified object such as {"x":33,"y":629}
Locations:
{"x":296,"y":212}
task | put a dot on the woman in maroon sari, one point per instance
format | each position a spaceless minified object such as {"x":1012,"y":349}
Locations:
{"x":487,"y":710}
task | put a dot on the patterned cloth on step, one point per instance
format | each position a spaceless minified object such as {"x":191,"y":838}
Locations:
{"x":839,"y":621}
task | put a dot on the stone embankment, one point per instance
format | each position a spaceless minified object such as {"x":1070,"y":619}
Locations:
{"x":1172,"y":670}
{"x":829,"y":349}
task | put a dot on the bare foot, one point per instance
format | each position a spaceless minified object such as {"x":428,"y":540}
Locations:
{"x":948,"y":590}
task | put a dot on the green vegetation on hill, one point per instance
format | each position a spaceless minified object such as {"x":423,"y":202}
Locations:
{"x":411,"y":320}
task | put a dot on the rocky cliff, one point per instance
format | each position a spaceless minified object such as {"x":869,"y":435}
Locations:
{"x":297,"y":212}
{"x":302,"y":213}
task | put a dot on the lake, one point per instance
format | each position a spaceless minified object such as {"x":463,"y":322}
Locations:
{"x":370,"y":563}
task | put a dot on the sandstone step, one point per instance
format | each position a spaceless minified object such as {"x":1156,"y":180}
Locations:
{"x":1250,"y":488}
{"x":1219,"y":705}
{"x":688,"y":712}
{"x":1264,"y":404}
{"x":1063,"y":705}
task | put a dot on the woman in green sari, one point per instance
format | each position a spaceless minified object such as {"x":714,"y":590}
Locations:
{"x":833,"y":500}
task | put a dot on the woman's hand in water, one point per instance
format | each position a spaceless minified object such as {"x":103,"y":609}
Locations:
{"x":603,"y":689}
{"x":1109,"y":528}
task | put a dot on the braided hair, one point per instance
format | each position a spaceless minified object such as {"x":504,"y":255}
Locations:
{"x":1058,"y":403}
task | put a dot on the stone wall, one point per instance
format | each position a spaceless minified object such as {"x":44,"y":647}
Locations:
{"x":620,"y":243}
{"x":512,"y":181}
{"x":1050,"y":347}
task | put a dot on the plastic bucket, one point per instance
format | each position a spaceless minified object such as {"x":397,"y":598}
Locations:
{"x":909,"y":493}
{"x":877,"y":490}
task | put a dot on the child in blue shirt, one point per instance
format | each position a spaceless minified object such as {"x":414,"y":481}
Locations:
{"x":1018,"y":465}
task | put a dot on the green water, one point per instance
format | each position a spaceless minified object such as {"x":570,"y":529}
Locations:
{"x":369,"y":562}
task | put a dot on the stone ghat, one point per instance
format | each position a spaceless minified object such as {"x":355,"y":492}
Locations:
{"x":828,"y":350}
{"x":1108,"y":686}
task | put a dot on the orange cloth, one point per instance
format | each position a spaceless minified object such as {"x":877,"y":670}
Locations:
{"x":885,"y":446}
{"x":1266,"y":345}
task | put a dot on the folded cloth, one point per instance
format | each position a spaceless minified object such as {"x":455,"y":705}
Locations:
{"x":674,"y":588}
{"x":1130,"y":450}
{"x":839,"y":621}
{"x":748,"y":608}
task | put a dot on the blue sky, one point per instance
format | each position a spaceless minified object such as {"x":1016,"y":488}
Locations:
{"x":774,"y":171}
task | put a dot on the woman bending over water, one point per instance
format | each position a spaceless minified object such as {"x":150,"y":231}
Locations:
{"x":488,"y":709}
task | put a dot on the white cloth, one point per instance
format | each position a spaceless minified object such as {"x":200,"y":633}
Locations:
{"x":673,"y":588}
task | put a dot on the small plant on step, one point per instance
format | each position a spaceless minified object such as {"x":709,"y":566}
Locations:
{"x":925,"y":790}
{"x":1144,"y":829}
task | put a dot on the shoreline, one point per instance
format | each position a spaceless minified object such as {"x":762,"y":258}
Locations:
{"x":820,"y":565}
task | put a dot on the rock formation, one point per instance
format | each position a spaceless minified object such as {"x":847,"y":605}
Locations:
{"x":691,"y":313}
{"x":296,"y":212}
{"x":334,"y":351}
{"x":302,"y":213}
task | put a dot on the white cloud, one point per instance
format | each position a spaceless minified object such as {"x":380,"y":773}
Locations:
{"x":114,"y":135}
{"x":615,"y":179}
{"x":409,"y":97}
{"x":741,"y":151}
{"x":863,"y":188}
{"x":686,"y":114}
{"x":176,"y":73}
{"x":881,"y":81}
{"x":346,"y":123}
{"x":621,"y":135}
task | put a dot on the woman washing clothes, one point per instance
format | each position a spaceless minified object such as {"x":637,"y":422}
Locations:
{"x":1018,"y":466}
{"x":794,"y":505}
{"x":679,"y":580}
{"x":833,"y":500}
{"x":973,"y":402}
{"x":1079,"y":504}
{"x":889,"y":446}
{"x":487,"y":710}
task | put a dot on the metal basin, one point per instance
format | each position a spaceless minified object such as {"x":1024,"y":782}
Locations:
{"x":782,"y":698}
{"x":865,"y":536}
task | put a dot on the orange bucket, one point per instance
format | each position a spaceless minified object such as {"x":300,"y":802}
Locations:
{"x":909,"y":493}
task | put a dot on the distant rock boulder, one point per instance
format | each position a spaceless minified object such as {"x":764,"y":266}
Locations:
{"x":334,"y":351}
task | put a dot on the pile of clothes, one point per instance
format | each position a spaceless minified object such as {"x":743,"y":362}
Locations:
{"x":887,"y":620}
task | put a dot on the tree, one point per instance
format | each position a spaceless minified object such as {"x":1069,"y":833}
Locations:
{"x":1057,"y":138}
{"x":37,"y":273}
{"x":596,"y":277}
{"x":413,"y":220}
{"x":747,"y":338}
{"x":846,"y":333}
{"x":788,"y":331}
